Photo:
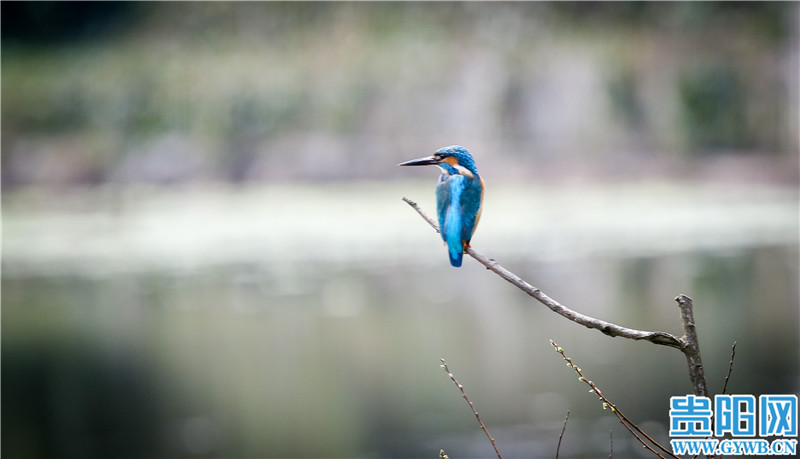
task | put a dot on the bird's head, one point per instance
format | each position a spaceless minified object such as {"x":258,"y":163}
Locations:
{"x":454,"y":159}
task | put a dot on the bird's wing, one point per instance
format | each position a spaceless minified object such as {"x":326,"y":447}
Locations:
{"x":471,"y":200}
{"x":443,"y":200}
{"x":449,"y":193}
{"x":448,"y":196}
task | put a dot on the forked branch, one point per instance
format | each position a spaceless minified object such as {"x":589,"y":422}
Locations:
{"x":687,"y":343}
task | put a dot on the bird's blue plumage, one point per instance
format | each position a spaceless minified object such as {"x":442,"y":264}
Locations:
{"x":451,"y":221}
{"x":458,"y":199}
{"x":459,"y":195}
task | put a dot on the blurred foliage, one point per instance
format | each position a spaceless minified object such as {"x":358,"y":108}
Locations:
{"x":713,"y":103}
{"x":52,"y":23}
{"x":331,"y":90}
{"x":759,"y":20}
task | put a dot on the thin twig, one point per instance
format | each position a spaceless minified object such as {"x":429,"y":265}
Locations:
{"x":610,"y":444}
{"x":627,"y":423}
{"x":561,"y":435}
{"x":464,"y":394}
{"x":425,"y":216}
{"x":730,"y":368}
{"x":724,"y":388}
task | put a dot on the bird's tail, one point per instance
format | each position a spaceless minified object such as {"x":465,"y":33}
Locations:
{"x":455,"y":256}
{"x":452,"y":236}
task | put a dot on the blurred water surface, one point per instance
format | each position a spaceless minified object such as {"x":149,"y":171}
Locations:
{"x":308,"y":321}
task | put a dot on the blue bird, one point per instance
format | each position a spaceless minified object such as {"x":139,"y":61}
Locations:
{"x":459,"y":195}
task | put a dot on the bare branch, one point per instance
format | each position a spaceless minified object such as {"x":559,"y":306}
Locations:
{"x":610,"y":444}
{"x":561,"y":435}
{"x":724,"y":387}
{"x":730,"y":368}
{"x":688,"y":343}
{"x":608,"y":328}
{"x":474,"y":411}
{"x":691,"y":348}
{"x":425,"y":216}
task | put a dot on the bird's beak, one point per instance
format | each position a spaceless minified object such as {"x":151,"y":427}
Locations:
{"x":426,"y":161}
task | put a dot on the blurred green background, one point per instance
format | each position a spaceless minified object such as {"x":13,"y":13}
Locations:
{"x":205,"y":253}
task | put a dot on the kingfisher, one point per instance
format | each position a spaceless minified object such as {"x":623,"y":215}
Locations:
{"x":459,"y":197}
